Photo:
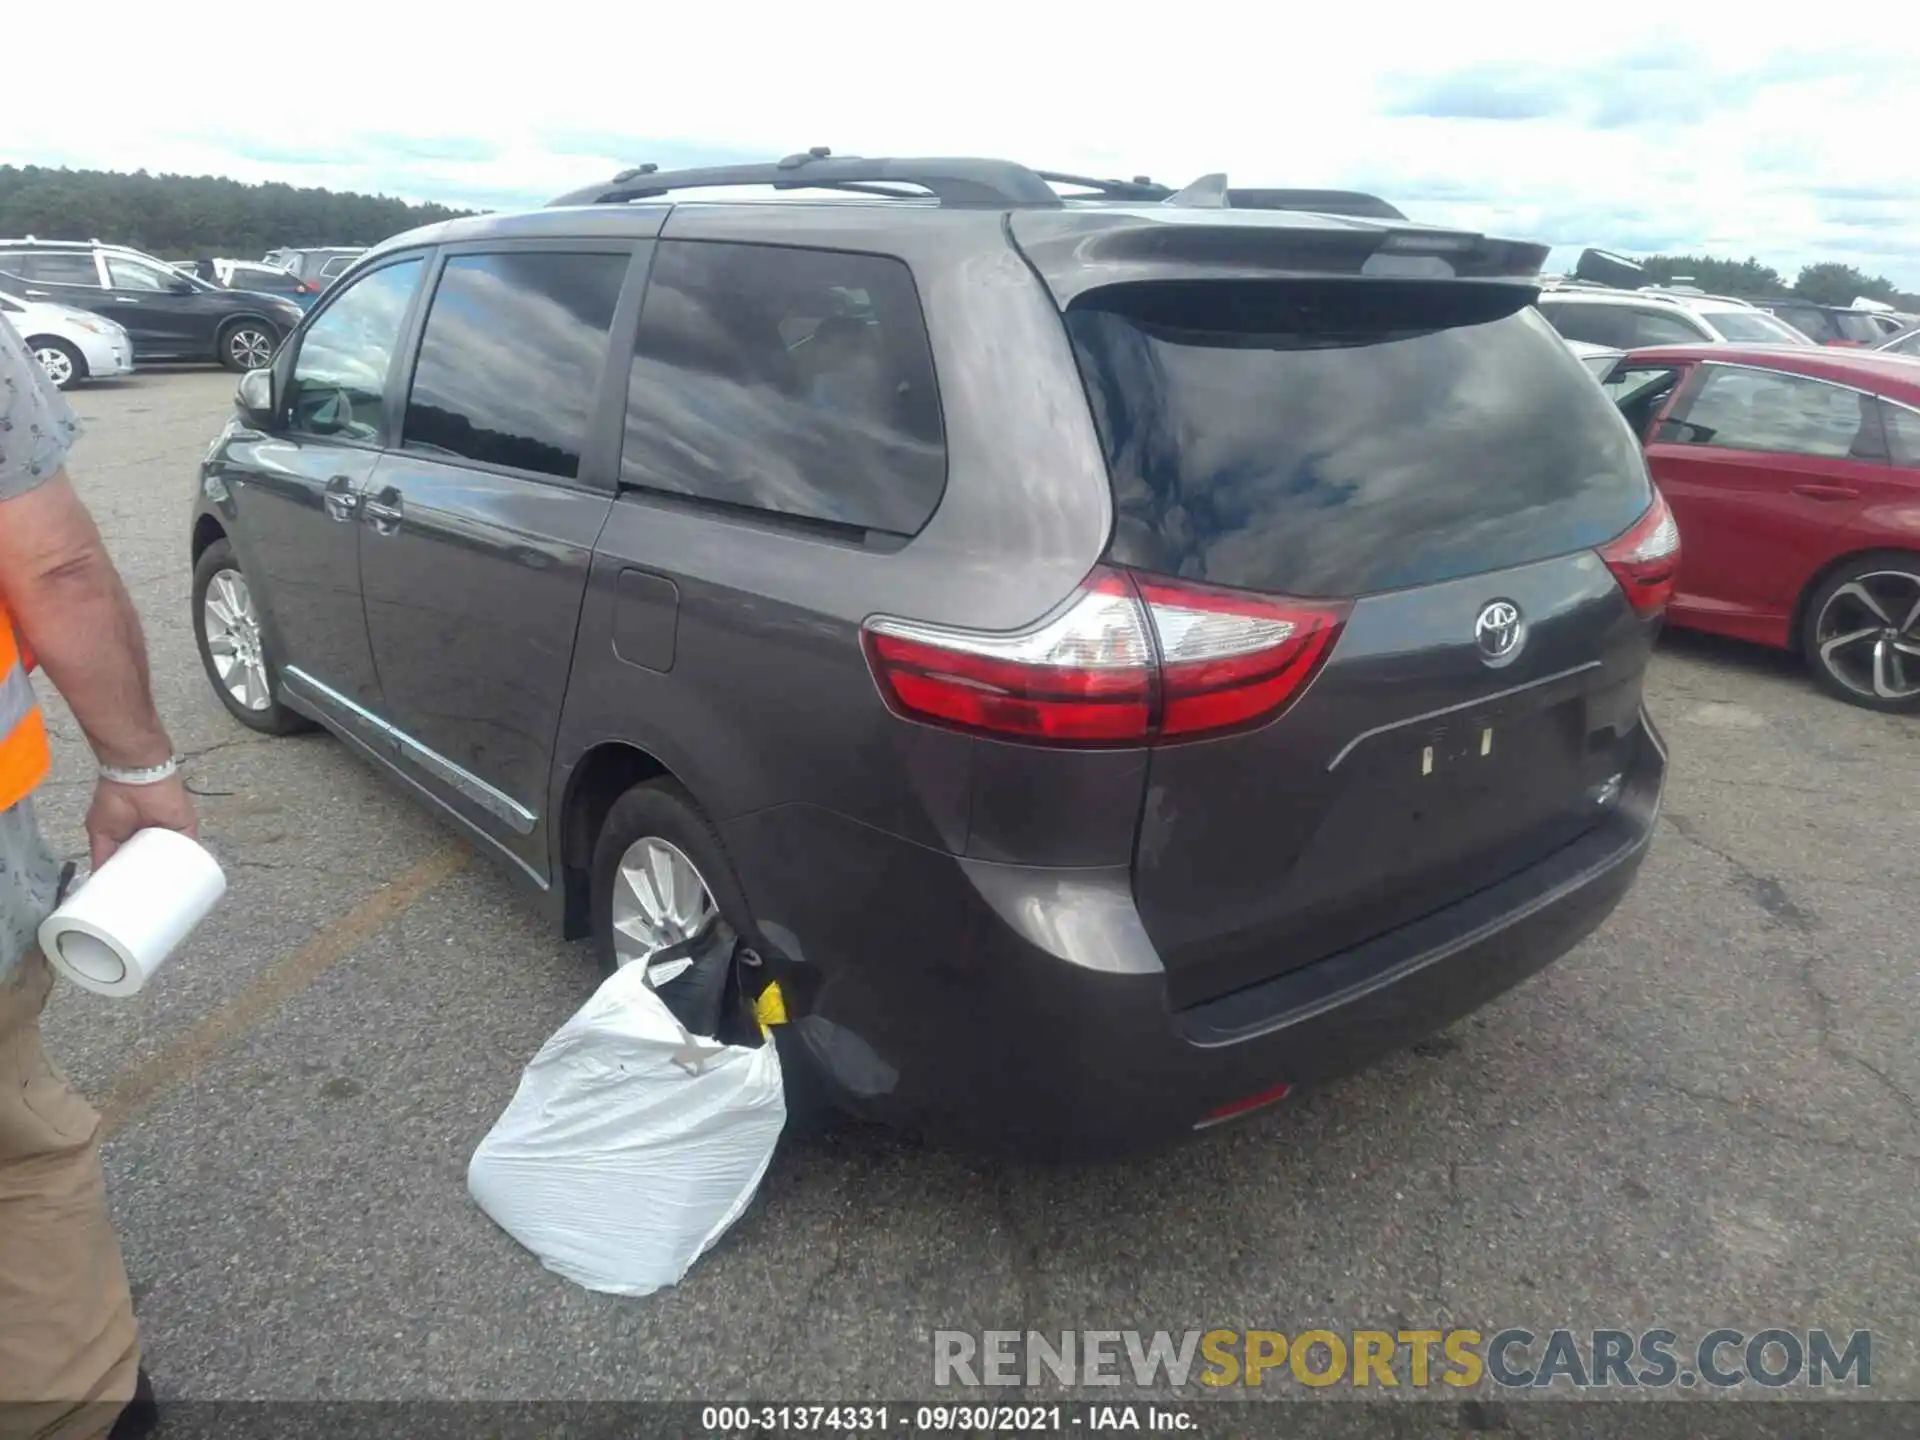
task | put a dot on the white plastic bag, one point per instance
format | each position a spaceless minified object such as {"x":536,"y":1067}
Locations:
{"x":631,"y":1144}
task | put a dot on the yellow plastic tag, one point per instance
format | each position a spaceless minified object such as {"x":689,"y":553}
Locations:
{"x":771,"y":1008}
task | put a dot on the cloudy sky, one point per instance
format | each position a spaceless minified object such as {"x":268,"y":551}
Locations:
{"x":1706,"y":127}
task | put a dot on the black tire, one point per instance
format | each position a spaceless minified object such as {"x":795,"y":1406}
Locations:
{"x":1891,"y":578}
{"x":661,"y":808}
{"x":239,"y":344}
{"x":272,"y":719}
{"x":76,"y":367}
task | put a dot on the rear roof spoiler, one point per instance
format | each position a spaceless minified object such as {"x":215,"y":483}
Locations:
{"x":1076,"y":250}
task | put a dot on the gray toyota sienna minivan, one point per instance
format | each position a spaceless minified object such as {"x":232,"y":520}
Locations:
{"x":1115,"y":655}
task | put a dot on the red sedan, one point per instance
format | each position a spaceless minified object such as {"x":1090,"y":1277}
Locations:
{"x":1794,"y":475}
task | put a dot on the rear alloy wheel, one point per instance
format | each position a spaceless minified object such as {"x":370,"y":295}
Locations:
{"x":247,"y":346}
{"x":60,"y":362}
{"x":1862,"y":633}
{"x":660,"y":899}
{"x":659,"y":877}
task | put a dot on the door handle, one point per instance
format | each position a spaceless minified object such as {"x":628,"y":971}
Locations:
{"x":125,"y":300}
{"x":1826,"y":492}
{"x":341,"y":501}
{"x":385,"y":511}
{"x":34,"y":294}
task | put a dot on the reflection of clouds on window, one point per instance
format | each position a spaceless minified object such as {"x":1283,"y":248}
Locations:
{"x":1765,"y":410}
{"x":349,"y":347}
{"x":787,"y":380}
{"x":511,"y":358}
{"x":1903,"y":433}
{"x":1275,"y":464}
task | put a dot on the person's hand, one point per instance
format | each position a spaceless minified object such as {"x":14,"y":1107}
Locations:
{"x":120,"y":810}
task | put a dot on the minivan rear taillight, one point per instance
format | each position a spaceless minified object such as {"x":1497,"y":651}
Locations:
{"x":1129,"y":660}
{"x":1646,"y":559}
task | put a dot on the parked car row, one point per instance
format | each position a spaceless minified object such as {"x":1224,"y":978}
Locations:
{"x":231,"y":311}
{"x":255,"y":275}
{"x":1832,"y":324}
{"x":1627,"y":319}
{"x":317,"y":267}
{"x":167,"y":313}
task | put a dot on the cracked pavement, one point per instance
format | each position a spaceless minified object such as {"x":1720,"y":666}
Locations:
{"x":1703,"y":1116}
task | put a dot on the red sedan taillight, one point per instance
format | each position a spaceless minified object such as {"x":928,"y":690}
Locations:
{"x":1129,"y":660}
{"x":1646,"y":559}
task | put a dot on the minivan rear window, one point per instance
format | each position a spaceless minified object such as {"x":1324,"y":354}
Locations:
{"x":1346,"y":437}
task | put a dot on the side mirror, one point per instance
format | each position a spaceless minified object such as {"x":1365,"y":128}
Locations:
{"x":180,"y":287}
{"x":254,"y":399}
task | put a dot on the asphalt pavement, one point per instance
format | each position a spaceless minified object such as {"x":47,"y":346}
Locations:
{"x":1704,"y":1116}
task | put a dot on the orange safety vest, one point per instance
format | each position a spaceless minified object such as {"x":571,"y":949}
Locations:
{"x":24,"y":754}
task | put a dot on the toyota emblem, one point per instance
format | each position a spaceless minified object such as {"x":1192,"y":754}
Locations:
{"x":1499,"y":632}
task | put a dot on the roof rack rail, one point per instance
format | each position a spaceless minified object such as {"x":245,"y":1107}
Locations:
{"x":951,"y":181}
{"x":1138,"y":188}
{"x":962,"y":181}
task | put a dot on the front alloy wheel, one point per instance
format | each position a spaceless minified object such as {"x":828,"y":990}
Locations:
{"x":57,"y":363}
{"x":232,"y":628}
{"x":249,"y":347}
{"x":1865,"y":638}
{"x":233,"y":644}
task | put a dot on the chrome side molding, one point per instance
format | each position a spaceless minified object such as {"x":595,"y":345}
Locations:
{"x":404,"y":747}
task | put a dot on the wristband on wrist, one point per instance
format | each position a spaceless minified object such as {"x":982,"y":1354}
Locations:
{"x":144,"y":775}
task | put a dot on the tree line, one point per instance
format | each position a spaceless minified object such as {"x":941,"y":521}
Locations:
{"x":182,"y":217}
{"x":1828,"y":283}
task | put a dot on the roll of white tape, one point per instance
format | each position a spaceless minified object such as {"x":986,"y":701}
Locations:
{"x":120,"y":926}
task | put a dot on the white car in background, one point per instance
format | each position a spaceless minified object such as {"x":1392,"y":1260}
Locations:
{"x":71,"y":345}
{"x":1599,"y":359}
{"x":1631,"y":319}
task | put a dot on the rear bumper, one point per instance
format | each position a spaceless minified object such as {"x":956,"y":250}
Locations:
{"x":1022,"y":1009}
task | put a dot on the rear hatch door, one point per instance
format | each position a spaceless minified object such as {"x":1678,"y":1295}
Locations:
{"x":1431,"y":452}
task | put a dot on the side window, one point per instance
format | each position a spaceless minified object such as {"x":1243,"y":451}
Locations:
{"x":337,"y":265}
{"x":787,"y":380}
{"x":128,"y":274}
{"x":1589,"y":324}
{"x":339,"y":378}
{"x":1811,"y":323}
{"x":1903,"y":433}
{"x":263,"y":278}
{"x":1641,"y":392}
{"x":1908,"y":344}
{"x":1788,"y":414}
{"x":58,"y":268}
{"x":511,"y":358}
{"x":1657,"y":327}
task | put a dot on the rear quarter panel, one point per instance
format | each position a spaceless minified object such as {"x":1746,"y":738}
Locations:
{"x":768,"y":700}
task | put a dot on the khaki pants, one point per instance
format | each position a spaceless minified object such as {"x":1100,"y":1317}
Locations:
{"x":69,"y":1352}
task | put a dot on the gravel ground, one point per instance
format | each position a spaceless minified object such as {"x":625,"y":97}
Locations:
{"x":1704,"y":1116}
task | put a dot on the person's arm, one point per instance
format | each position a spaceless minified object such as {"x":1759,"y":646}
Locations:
{"x":68,"y":602}
{"x":69,"y":605}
